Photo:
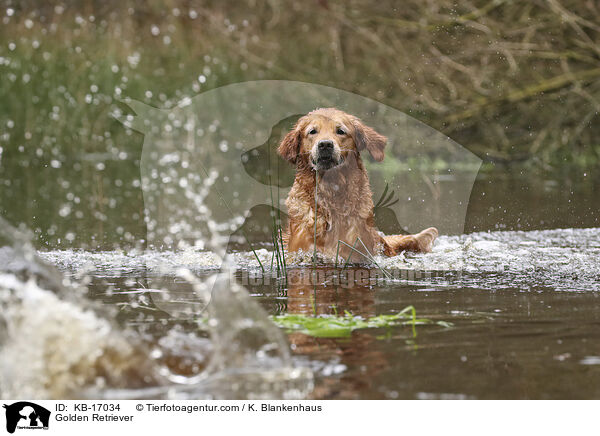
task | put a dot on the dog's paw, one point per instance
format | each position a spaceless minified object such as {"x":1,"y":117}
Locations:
{"x":425,"y":239}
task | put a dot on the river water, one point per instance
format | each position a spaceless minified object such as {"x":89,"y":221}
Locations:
{"x":520,"y":311}
{"x":523,"y":308}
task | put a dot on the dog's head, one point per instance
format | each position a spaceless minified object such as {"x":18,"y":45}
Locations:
{"x":324,"y":138}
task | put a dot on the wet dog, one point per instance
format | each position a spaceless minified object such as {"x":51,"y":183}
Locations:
{"x":325,"y":147}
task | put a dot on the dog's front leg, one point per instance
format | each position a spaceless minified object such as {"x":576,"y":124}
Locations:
{"x":421,"y":242}
{"x":302,"y":227}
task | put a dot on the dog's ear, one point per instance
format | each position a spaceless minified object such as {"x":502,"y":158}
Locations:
{"x":290,"y":145}
{"x":366,"y":137}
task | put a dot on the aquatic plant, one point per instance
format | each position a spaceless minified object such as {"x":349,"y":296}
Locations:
{"x":333,"y":326}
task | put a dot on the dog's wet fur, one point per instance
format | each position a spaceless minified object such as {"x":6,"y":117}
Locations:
{"x":326,"y":143}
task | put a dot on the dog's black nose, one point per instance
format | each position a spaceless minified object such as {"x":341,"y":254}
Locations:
{"x":325,"y":145}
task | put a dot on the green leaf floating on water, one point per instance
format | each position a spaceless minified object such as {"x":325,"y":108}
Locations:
{"x":332,"y":326}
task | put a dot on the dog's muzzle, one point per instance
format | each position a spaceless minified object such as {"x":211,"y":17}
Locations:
{"x":326,"y":157}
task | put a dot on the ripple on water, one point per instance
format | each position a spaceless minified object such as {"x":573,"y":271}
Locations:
{"x":561,"y":259}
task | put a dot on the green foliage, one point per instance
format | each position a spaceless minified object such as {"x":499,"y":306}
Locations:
{"x":333,"y":326}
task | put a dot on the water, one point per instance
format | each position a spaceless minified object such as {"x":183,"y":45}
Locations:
{"x":523,"y":307}
{"x":520,"y":288}
{"x":58,"y":340}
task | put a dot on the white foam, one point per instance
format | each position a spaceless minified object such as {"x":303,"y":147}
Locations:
{"x":51,"y":347}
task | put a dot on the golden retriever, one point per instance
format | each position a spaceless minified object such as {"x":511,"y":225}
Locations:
{"x":325,"y":147}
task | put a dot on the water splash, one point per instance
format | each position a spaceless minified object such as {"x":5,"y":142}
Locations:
{"x":561,"y":259}
{"x":55,"y":343}
{"x":52,"y":348}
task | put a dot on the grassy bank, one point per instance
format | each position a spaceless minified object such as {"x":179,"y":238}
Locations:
{"x":511,"y":82}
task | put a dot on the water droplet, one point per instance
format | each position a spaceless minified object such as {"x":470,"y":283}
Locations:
{"x":65,"y":210}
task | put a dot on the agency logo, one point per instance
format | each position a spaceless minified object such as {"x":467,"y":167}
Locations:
{"x":26,"y":415}
{"x":213,"y":182}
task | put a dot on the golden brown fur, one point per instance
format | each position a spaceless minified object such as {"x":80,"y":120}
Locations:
{"x":327,"y":143}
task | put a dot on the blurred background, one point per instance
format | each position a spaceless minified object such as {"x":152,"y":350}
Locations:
{"x":516,"y":83}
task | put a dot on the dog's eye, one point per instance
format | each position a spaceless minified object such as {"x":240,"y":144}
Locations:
{"x":313,"y":132}
{"x":340,"y":132}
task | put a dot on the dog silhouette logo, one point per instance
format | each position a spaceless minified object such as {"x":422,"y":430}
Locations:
{"x":26,"y":415}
